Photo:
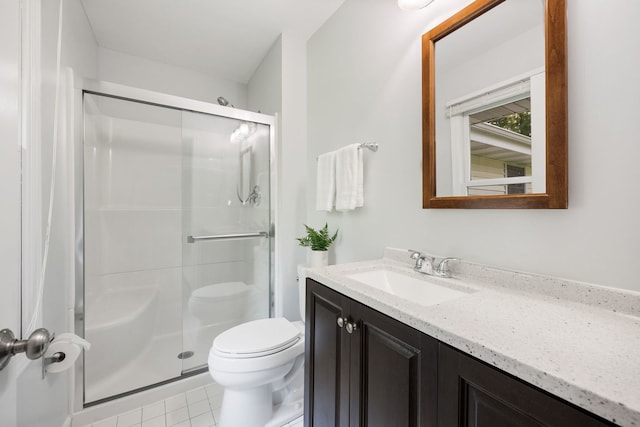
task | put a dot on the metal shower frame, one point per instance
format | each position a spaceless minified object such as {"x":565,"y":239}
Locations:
{"x":76,"y":107}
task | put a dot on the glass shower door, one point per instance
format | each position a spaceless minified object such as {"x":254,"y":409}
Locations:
{"x":132,"y":251}
{"x":177,"y":246}
{"x":226,"y":250}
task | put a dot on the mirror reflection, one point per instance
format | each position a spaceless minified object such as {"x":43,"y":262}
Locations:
{"x":500,"y":147}
{"x":490,"y":103}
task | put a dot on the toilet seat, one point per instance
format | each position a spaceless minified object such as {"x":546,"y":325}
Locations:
{"x":258,"y":338}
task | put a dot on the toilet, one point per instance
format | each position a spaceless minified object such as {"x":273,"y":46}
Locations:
{"x":260,"y":364}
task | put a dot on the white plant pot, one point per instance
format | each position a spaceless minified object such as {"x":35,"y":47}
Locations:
{"x":317,"y":259}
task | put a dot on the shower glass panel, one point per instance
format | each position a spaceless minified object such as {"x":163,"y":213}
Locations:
{"x":226,"y":217}
{"x":133,"y":202}
{"x":161,"y":186}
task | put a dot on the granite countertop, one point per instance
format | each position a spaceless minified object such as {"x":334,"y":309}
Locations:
{"x":577,"y":341}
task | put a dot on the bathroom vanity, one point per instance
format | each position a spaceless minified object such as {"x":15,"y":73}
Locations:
{"x":359,"y":358}
{"x":511,"y":349}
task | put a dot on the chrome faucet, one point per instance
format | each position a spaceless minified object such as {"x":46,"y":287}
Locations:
{"x":420,"y":260}
{"x":425,"y":264}
{"x":442,"y":270}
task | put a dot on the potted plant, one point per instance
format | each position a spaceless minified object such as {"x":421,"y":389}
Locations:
{"x":319,"y":241}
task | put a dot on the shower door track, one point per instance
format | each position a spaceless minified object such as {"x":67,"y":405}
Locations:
{"x":188,"y":374}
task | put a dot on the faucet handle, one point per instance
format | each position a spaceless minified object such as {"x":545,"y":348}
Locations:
{"x":418,"y":258}
{"x":443,"y":266}
{"x":419,"y":255}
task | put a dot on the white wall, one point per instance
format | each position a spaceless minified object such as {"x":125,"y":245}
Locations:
{"x":118,"y":67}
{"x":365,"y":84}
{"x":264,"y":90}
{"x":279,"y":86}
{"x":292,"y":186}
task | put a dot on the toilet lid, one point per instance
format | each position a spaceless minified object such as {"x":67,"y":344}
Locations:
{"x":221,"y":290}
{"x":257,"y":338}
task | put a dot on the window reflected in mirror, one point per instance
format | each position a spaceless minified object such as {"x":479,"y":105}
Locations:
{"x":494,"y":98}
{"x":500,"y":149}
{"x":496,"y":139}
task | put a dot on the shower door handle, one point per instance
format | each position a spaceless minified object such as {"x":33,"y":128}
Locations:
{"x":194,"y":239}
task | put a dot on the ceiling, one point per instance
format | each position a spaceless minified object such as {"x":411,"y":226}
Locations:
{"x":226,"y":38}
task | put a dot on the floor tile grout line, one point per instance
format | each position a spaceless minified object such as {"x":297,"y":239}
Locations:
{"x":211,"y":394}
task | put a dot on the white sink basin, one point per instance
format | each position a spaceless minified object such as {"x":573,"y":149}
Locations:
{"x":420,"y":291}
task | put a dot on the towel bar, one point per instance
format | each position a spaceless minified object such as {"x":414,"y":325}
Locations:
{"x":373,"y":146}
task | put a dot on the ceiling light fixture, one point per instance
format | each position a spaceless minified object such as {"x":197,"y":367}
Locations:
{"x":413,"y":4}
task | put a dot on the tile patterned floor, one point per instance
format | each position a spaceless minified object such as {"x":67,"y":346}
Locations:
{"x":196,"y":408}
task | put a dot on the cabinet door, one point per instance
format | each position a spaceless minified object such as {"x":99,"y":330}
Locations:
{"x":472,"y":393}
{"x":327,"y":352}
{"x":393,"y":372}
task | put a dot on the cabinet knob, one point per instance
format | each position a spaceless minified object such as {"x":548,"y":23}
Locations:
{"x":341,"y":321}
{"x":351,"y":326}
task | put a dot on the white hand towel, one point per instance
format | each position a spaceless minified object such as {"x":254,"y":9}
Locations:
{"x":326,"y":181}
{"x":349,"y":178}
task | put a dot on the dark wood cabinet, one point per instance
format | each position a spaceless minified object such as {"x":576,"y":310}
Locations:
{"x":364,"y":368}
{"x":472,"y":393}
{"x":374,"y":371}
{"x":327,"y":361}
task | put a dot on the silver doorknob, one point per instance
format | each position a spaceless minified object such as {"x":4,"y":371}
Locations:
{"x":341,"y":321}
{"x":351,"y":327}
{"x":34,"y":347}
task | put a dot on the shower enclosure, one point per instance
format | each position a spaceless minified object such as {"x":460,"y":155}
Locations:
{"x":177,"y":208}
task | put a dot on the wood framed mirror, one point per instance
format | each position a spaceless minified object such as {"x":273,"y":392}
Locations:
{"x":495,"y":123}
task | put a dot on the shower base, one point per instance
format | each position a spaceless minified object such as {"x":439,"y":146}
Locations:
{"x":144,"y":369}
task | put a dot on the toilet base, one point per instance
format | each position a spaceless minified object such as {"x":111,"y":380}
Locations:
{"x":246,"y":407}
{"x":289,"y":405}
{"x":235,"y":403}
{"x":286,"y":412}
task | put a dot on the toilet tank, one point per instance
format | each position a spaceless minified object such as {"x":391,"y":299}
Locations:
{"x":302,"y":286}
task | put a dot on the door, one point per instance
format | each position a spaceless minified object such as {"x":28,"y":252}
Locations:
{"x":327,"y":361}
{"x":132,"y":246}
{"x":394,"y":372}
{"x":225,"y":229}
{"x":10,"y":198}
{"x":364,"y":368}
{"x":25,"y":398}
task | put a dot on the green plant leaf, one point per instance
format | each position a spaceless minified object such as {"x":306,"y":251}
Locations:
{"x":317,"y":240}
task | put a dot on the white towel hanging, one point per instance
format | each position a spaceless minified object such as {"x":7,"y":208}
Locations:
{"x":326,"y":181}
{"x":349,"y":178}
